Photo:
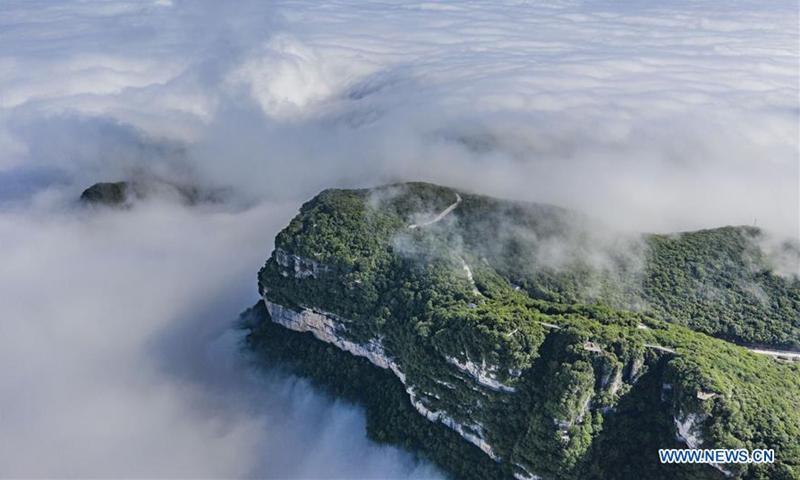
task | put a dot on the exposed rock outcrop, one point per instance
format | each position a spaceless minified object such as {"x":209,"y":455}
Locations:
{"x":688,"y":429}
{"x":297,"y":266}
{"x":524,"y":474}
{"x":436,"y":416}
{"x":483,"y":374}
{"x":328,"y":328}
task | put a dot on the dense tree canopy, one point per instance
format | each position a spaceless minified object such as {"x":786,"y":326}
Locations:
{"x":563,"y":315}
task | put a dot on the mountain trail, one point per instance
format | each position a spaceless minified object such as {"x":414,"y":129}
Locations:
{"x":438,"y":217}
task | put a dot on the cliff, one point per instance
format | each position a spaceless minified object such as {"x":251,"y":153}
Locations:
{"x":394,"y":275}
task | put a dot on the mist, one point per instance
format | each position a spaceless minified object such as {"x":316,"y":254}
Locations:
{"x":117,"y":354}
{"x":120,"y":358}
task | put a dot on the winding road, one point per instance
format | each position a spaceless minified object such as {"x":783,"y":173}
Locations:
{"x":437,"y":218}
{"x":782,"y":354}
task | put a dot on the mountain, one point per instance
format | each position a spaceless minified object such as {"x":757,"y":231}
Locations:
{"x":111,"y":194}
{"x":506,"y":339}
{"x":124,"y":193}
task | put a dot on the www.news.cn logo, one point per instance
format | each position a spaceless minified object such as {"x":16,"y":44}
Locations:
{"x":715,"y":455}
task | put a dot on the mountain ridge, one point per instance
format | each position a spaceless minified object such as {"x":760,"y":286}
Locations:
{"x":526,"y":379}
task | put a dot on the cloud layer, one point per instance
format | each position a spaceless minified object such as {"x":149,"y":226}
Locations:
{"x":117,"y":358}
{"x":657,"y":117}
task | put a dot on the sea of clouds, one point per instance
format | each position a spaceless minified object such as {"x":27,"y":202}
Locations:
{"x":117,"y":357}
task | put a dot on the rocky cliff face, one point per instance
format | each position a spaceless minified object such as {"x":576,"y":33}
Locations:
{"x":688,"y":428}
{"x":484,"y":374}
{"x":297,"y":266}
{"x":480,"y":377}
{"x":328,"y":328}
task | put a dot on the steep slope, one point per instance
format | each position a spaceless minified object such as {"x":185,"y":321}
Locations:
{"x":435,"y":286}
{"x":720,"y":281}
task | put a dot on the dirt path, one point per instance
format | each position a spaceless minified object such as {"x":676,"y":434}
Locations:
{"x":795,"y":356}
{"x":659,"y":348}
{"x":437,"y":218}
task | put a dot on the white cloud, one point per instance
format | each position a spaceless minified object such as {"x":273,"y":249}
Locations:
{"x":287,"y":78}
{"x":118,"y":359}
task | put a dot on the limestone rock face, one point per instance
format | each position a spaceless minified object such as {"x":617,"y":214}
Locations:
{"x":483,"y":374}
{"x":525,"y":475}
{"x":688,"y":429}
{"x":435,"y":416}
{"x":328,"y":328}
{"x":612,"y":380}
{"x":297,"y":266}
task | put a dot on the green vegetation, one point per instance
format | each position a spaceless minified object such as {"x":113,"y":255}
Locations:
{"x":390,"y":416}
{"x":545,"y":317}
{"x":719,"y":282}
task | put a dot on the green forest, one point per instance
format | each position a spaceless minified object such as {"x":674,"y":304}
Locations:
{"x":564,"y":317}
{"x":718,"y":281}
